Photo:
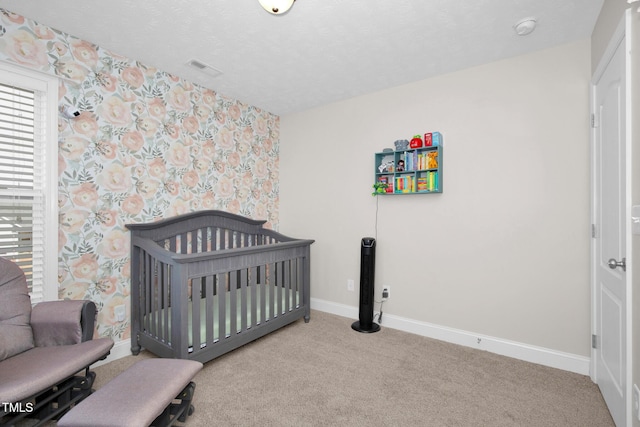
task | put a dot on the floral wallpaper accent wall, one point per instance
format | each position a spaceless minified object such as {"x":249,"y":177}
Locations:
{"x":146,"y":146}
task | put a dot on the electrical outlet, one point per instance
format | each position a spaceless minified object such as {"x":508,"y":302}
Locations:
{"x":350,"y":285}
{"x":120,"y":312}
{"x":386,"y":290}
{"x":636,"y":401}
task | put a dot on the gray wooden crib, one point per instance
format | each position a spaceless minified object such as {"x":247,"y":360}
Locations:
{"x":208,"y":282}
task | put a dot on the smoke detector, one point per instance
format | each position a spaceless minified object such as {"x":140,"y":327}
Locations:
{"x":525,"y":27}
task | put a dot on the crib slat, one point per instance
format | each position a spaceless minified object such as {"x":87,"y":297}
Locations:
{"x":196,"y":292}
{"x":222,"y":312}
{"x":243,"y":306}
{"x":272,"y":286}
{"x":233,"y":315}
{"x":263,"y":294}
{"x":279,"y":284}
{"x":165,"y":273}
{"x":286,"y":283}
{"x":254,"y":306}
{"x":209,"y":287}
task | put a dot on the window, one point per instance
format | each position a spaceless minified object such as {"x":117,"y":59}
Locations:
{"x":28,"y":177}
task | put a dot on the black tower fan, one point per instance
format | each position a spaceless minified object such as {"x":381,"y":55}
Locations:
{"x":367,"y":274}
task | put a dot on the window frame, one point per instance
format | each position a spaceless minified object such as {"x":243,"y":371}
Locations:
{"x":48,"y":85}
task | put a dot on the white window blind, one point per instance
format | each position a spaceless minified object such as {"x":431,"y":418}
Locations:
{"x":24,"y":131}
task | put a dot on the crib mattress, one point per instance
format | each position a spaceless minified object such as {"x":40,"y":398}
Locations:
{"x":156,"y":319}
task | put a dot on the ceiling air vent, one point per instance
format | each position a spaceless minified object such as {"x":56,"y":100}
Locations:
{"x":207,"y":69}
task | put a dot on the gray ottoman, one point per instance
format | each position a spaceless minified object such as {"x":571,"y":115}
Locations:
{"x":143,"y":395}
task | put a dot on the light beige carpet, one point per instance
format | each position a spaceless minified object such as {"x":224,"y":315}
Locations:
{"x":325,"y":374}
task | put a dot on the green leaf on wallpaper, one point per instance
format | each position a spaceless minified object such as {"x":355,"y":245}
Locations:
{"x":84,"y":176}
{"x":84,"y":248}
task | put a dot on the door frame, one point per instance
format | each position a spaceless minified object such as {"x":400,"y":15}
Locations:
{"x":621,"y":34}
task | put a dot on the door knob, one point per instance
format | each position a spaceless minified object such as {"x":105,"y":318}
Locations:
{"x":613,"y":264}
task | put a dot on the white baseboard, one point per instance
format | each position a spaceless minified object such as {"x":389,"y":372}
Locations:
{"x":119,"y":350}
{"x":530,"y":353}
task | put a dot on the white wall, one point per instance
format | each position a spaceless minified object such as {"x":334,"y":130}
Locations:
{"x":504,"y":251}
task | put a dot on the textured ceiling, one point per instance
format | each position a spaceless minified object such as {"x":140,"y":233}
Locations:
{"x":320,"y":51}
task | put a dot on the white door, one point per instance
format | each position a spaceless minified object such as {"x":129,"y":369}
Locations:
{"x":610,"y":293}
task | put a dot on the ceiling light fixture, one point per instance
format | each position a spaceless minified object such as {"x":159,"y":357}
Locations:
{"x":276,"y":7}
{"x":525,"y":27}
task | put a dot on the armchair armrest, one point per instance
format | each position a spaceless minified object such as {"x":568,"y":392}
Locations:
{"x":62,"y":322}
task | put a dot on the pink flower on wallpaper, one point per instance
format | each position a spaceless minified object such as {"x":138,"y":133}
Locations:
{"x":267,"y":145}
{"x":261,"y":211}
{"x":208,"y":149}
{"x":133,"y":204}
{"x":60,"y":48}
{"x":179,"y":207}
{"x":234,"y":206}
{"x":156,"y":167}
{"x":224,"y":187}
{"x":208,"y":200}
{"x":209,"y":97}
{"x":267,"y":186}
{"x":147,"y":126}
{"x":190,"y":124}
{"x":178,"y":155}
{"x":202,"y":112}
{"x":190,"y":178}
{"x":11,"y":17}
{"x":115,"y":111}
{"x":116,"y":178}
{"x":247,"y":179}
{"x":107,"y":81}
{"x":219,"y":167}
{"x":260,"y":169}
{"x":85,"y":52}
{"x":72,"y":70}
{"x":107,"y":285}
{"x":133,"y":140}
{"x":178,"y":99}
{"x":260,"y":126}
{"x":233,"y":159}
{"x":26,"y":49}
{"x":201,"y":164}
{"x":85,"y":195}
{"x":85,"y":267}
{"x":147,"y":187}
{"x":156,"y":108}
{"x":234,"y":112}
{"x":224,"y":139}
{"x":43,"y":33}
{"x":73,"y":220}
{"x":107,"y":149}
{"x":172,"y":187}
{"x":172,"y":130}
{"x":107,"y":218}
{"x":133,"y":76}
{"x":114,"y":245}
{"x":73,"y":147}
{"x":85,"y":124}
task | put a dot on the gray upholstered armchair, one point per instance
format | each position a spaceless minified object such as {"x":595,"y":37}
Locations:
{"x":45,"y":351}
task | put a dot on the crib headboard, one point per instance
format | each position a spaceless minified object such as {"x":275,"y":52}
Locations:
{"x":187,"y":233}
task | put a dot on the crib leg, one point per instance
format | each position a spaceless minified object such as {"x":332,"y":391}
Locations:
{"x":135,"y":349}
